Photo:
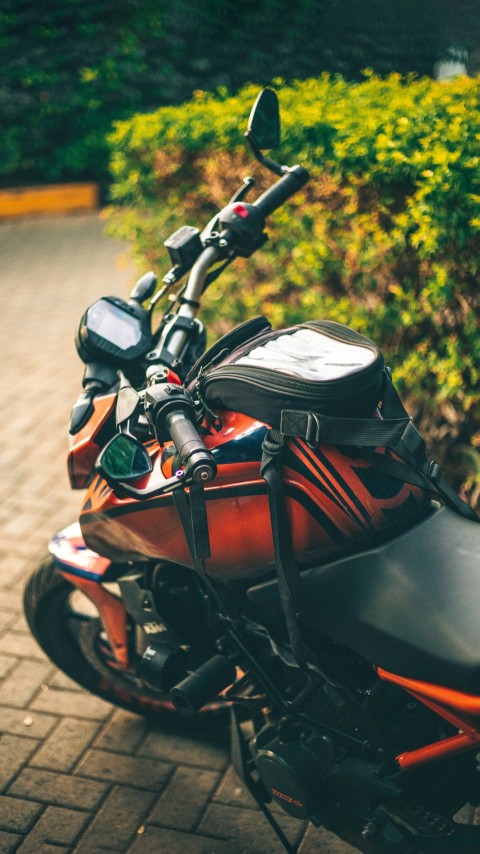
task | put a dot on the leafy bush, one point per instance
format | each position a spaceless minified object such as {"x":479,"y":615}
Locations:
{"x":385,"y":237}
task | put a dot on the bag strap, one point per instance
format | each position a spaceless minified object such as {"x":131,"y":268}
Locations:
{"x":292,"y":596}
{"x":395,"y":429}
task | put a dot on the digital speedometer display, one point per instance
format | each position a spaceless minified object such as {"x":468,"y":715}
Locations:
{"x":113,"y":324}
{"x":114,"y":331}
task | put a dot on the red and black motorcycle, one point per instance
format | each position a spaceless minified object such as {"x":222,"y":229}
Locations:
{"x":263,"y":534}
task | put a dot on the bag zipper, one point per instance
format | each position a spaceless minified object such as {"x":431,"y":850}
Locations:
{"x":262,"y":378}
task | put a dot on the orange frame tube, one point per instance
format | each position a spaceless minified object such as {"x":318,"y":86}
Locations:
{"x":454,"y":706}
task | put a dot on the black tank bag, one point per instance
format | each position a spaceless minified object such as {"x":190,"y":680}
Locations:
{"x":324,"y":383}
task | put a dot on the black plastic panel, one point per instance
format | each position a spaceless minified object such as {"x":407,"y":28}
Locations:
{"x":410,"y":605}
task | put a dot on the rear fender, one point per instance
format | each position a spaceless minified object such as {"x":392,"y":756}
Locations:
{"x":86,"y":570}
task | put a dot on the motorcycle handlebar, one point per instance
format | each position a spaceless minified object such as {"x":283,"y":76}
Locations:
{"x":276,"y":195}
{"x":170,"y":411}
{"x":196,"y":458}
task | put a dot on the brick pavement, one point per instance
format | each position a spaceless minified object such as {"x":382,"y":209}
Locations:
{"x":76,"y":774}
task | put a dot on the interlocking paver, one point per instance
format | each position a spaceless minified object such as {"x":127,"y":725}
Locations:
{"x":247,"y":829}
{"x":24,"y":681}
{"x":18,"y":816}
{"x":161,"y":841}
{"x":118,"y":768}
{"x":124,"y":810}
{"x":21,"y":644}
{"x":9,"y":842}
{"x":123,"y":733}
{"x":57,"y":826}
{"x":232,"y":792}
{"x":184,"y":799}
{"x":14,"y":752}
{"x":7,"y":663}
{"x":58,"y":789}
{"x":65,"y":745}
{"x":62,"y":702}
{"x":323,"y":841}
{"x":25,"y":723}
{"x":206,"y":749}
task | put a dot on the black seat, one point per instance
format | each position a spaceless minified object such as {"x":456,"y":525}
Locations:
{"x":410,"y":605}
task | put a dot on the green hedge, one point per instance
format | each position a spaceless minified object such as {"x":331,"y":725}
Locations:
{"x":385,"y":237}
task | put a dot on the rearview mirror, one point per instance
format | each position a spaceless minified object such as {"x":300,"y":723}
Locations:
{"x":124,"y":459}
{"x":264,"y":120}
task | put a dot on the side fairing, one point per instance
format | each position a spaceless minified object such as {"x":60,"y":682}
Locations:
{"x":335,"y":499}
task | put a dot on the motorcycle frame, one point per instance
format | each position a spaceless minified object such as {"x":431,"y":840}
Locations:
{"x":457,"y":708}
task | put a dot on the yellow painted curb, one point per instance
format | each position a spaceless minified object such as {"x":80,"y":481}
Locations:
{"x":54,"y":198}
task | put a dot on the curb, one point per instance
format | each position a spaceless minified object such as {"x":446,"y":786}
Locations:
{"x":54,"y":198}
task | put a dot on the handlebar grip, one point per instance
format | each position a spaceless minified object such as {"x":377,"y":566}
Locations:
{"x":190,"y":447}
{"x":276,"y":195}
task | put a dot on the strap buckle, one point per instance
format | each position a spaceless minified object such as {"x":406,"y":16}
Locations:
{"x":434,"y":472}
{"x":313,"y":433}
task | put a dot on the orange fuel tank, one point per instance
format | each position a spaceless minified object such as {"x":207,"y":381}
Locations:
{"x":336,"y":502}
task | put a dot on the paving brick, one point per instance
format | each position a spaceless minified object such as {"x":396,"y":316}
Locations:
{"x":247,"y":831}
{"x":43,"y":848}
{"x":9,"y":842}
{"x":57,"y":826}
{"x":21,"y":625}
{"x":22,"y":645}
{"x":117,"y":821}
{"x":232,"y":792}
{"x":60,"y":680}
{"x":161,"y":841}
{"x":118,"y":768}
{"x":320,"y":839}
{"x":25,"y":723}
{"x":18,"y":816}
{"x":123,"y":733}
{"x":12,"y":565}
{"x":23,"y":682}
{"x":204,"y":749}
{"x":65,"y":745}
{"x":70,"y":703}
{"x":58,"y":789}
{"x":7,"y":619}
{"x":10,"y":601}
{"x":14,"y":752}
{"x":7,"y":663}
{"x":185,"y":799}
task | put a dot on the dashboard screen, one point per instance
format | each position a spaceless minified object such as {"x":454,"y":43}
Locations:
{"x":114,"y":325}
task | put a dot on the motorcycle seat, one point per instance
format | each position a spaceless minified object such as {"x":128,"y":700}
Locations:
{"x":410,"y":605}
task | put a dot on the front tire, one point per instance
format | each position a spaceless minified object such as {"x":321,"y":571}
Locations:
{"x":65,"y":625}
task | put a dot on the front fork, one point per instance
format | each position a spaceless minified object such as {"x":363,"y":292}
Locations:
{"x":86,"y":570}
{"x":89,"y":573}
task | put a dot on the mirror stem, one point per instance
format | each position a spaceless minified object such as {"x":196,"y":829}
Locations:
{"x":270,"y":164}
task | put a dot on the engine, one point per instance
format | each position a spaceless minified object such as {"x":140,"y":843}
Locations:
{"x":292,"y":762}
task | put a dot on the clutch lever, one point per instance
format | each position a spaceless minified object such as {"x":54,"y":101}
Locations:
{"x":180,"y":480}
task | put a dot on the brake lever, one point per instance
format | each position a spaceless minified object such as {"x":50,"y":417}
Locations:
{"x":248,"y":183}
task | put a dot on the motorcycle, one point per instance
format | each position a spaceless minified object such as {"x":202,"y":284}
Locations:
{"x":263,"y":536}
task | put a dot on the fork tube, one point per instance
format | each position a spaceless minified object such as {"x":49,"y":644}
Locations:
{"x":193,"y":292}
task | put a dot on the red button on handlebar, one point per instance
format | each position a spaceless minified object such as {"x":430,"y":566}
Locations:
{"x":241,"y":210}
{"x":172,"y":377}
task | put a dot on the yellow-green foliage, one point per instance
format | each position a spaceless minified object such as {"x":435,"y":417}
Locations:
{"x":385,"y":237}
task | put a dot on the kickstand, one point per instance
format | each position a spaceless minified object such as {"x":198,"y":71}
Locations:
{"x":243,"y":765}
